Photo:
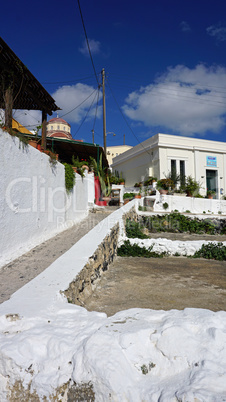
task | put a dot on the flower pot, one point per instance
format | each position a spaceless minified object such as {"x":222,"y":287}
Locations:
{"x":126,"y":200}
{"x":107,"y":199}
{"x":163,"y":191}
{"x":40,"y":147}
{"x":33,"y":143}
{"x":137,"y":196}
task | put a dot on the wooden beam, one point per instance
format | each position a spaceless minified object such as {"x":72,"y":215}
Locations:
{"x":44,"y":121}
{"x":8,"y":107}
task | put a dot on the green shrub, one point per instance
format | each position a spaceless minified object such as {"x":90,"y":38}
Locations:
{"x":69,"y":177}
{"x":165,"y":205}
{"x":133,"y":230}
{"x":175,"y":222}
{"x":212,"y":251}
{"x":128,"y":195}
{"x":133,"y":250}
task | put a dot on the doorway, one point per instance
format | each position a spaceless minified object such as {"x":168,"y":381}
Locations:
{"x":211,"y":181}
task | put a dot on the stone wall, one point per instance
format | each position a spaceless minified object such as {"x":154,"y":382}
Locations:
{"x":85,"y":282}
{"x":87,"y":279}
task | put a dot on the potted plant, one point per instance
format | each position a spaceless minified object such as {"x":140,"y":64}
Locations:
{"x":104,"y":180}
{"x":192,"y":187}
{"x":180,"y":192}
{"x":210,"y":194}
{"x":78,"y":166}
{"x":138,"y":195}
{"x":164,"y":185}
{"x":127,"y":197}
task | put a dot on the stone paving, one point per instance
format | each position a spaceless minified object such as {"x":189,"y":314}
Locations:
{"x":23,"y":269}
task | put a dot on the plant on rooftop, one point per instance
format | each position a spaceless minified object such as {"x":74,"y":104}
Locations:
{"x":78,"y":165}
{"x":128,"y":195}
{"x":150,"y":181}
{"x":192,"y":187}
{"x":164,"y":184}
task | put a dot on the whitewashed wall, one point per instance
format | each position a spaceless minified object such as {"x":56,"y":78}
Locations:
{"x":192,"y":204}
{"x":34,"y":205}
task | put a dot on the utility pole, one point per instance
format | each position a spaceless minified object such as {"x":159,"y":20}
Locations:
{"x":93,"y":135}
{"x":124,"y":141}
{"x":104,"y":110}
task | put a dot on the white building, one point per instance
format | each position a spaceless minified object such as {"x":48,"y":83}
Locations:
{"x":204,"y":160}
{"x":116,"y":150}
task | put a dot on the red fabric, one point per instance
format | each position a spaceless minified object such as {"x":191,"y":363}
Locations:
{"x":98,"y":193}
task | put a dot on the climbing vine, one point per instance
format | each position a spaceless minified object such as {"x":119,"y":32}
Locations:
{"x":69,"y":177}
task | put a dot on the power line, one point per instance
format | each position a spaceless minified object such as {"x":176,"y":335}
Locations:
{"x":85,"y":116}
{"x":76,"y":107}
{"x":96,"y":108}
{"x":87,"y":41}
{"x":67,"y":82}
{"x":140,"y":143}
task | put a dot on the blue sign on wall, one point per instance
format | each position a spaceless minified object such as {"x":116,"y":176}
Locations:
{"x":211,"y":161}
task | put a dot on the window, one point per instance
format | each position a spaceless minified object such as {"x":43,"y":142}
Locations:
{"x":64,"y":128}
{"x":173,"y":169}
{"x":177,"y":171}
{"x":58,"y":127}
{"x":182,"y":173}
{"x":51,"y":127}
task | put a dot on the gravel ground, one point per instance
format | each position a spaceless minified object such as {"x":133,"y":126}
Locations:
{"x":160,"y":284}
{"x":23,"y":269}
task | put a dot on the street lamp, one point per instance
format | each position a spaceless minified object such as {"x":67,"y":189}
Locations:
{"x":105,"y":143}
{"x":111,"y":132}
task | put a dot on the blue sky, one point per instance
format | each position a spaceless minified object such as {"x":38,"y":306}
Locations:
{"x":165,"y":64}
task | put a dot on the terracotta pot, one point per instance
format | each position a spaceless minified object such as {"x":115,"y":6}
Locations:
{"x":74,"y":168}
{"x":210,"y":197}
{"x":107,"y":199}
{"x":85,"y":167}
{"x":126,"y":200}
{"x":33,"y":143}
{"x":163,"y":191}
{"x":137,"y":196}
{"x":40,"y":147}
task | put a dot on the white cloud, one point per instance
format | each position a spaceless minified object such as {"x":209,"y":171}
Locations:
{"x":217,"y":31}
{"x":28,"y":118}
{"x":94,"y":47}
{"x":68,"y":97}
{"x":185,"y":101}
{"x":185,"y":27}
